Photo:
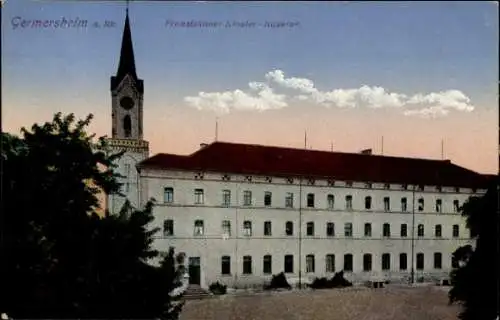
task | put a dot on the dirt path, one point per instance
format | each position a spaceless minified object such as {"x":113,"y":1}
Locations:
{"x":427,"y":303}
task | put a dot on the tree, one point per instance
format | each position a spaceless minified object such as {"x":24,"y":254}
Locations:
{"x":59,"y":259}
{"x":475,"y":279}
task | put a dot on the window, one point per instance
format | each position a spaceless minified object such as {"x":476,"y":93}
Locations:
{"x":247,"y":198}
{"x":288,"y":263}
{"x":127,"y":187}
{"x":348,"y":229}
{"x":404,"y":204}
{"x":330,"y":199}
{"x":168,"y":228}
{"x":289,"y":228}
{"x":456,"y":206}
{"x":247,"y":265}
{"x":226,"y":228}
{"x":404,"y":230}
{"x":421,"y":204}
{"x":198,"y":228}
{"x":348,"y":262}
{"x":310,"y":229}
{"x":330,"y":229}
{"x":420,"y":230}
{"x":127,"y":126}
{"x":247,"y":228}
{"x":386,"y":230}
{"x":225,"y":265}
{"x":168,"y":195}
{"x":226,"y":198}
{"x":368,"y":203}
{"x":437,"y":260}
{"x":420,"y":261}
{"x":330,"y":262}
{"x":310,"y":200}
{"x":403,"y":261}
{"x":455,"y":231}
{"x":267,"y":264}
{"x":387,"y":204}
{"x":386,"y":261}
{"x":348,"y":202}
{"x":267,"y":198}
{"x":438,"y":205}
{"x":198,"y":196}
{"x":267,"y":228}
{"x":368,"y":229}
{"x":289,"y":200}
{"x":367,"y":262}
{"x":437,"y":231}
{"x":310,"y":263}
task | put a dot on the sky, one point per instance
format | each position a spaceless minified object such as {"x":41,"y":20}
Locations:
{"x":421,"y":77}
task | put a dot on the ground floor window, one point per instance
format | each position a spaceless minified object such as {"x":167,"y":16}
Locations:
{"x":247,"y":265}
{"x":310,"y":263}
{"x":267,"y":264}
{"x":330,"y":263}
{"x":348,"y":262}
{"x":289,"y":263}
{"x":226,"y":265}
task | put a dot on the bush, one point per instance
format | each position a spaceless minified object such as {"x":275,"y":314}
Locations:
{"x":278,"y":282}
{"x":218,"y":288}
{"x":338,"y":281}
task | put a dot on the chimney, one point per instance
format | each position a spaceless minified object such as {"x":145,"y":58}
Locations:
{"x":203,"y":145}
{"x":366,"y":151}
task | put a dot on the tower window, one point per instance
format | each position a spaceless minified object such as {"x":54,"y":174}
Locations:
{"x":127,"y":126}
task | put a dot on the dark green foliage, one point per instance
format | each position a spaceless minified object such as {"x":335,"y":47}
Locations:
{"x":59,"y":259}
{"x":218,"y":288}
{"x":278,"y":282}
{"x":337,"y":281}
{"x":475,"y":281}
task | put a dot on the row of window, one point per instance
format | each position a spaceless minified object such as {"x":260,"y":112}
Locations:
{"x":199,"y":229}
{"x":330,"y":263}
{"x":199,"y":198}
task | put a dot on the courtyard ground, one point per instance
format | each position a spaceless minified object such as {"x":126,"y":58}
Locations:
{"x":391,"y":303}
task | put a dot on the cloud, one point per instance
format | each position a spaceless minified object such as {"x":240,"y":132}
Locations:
{"x":261,"y":96}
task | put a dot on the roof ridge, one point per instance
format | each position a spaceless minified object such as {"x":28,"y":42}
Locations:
{"x":323,"y":151}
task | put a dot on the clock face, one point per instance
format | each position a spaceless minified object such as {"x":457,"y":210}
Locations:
{"x":127,"y":103}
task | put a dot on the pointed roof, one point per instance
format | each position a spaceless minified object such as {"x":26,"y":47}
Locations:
{"x":236,"y":158}
{"x":127,"y":60}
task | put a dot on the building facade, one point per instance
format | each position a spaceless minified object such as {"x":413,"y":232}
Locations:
{"x":242,"y":213}
{"x":242,"y":227}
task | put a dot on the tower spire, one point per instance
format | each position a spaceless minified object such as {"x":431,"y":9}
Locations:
{"x":126,"y":66}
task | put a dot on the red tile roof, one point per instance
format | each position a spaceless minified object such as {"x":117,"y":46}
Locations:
{"x":235,"y":158}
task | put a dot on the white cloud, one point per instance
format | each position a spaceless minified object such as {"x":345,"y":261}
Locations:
{"x":262,"y":96}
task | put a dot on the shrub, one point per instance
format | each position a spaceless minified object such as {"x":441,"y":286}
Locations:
{"x":278,"y":282}
{"x":218,"y":288}
{"x":338,"y":281}
{"x":321,"y":283}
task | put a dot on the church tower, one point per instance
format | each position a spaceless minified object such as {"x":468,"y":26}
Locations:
{"x":127,"y":92}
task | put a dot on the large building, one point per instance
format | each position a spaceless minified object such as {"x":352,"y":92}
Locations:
{"x":241,"y":212}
